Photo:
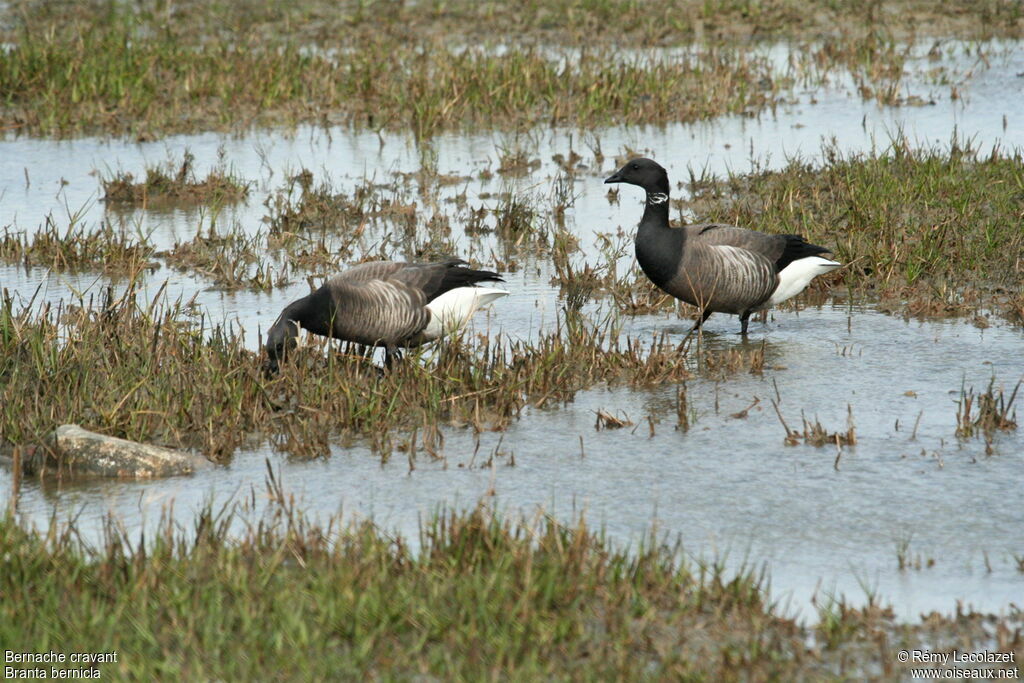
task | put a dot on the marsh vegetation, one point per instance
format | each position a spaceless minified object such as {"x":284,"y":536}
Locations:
{"x":471,"y":596}
{"x":161,"y":67}
{"x":583,"y":369}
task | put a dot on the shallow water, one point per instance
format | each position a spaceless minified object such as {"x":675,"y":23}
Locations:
{"x":728,"y":485}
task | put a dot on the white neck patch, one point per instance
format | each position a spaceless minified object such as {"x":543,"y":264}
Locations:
{"x":656,"y":197}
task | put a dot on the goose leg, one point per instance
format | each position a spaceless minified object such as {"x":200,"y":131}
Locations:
{"x":744,"y":319}
{"x":705,"y":314}
{"x":391,"y":354}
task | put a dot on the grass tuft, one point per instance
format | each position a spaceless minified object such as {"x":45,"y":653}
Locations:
{"x":243,"y":591}
{"x":175,"y":183}
{"x":153,"y":69}
{"x":986,"y":412}
{"x":111,"y":250}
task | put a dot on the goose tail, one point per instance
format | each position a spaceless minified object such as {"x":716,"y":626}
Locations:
{"x":450,"y":311}
{"x":795,"y":277}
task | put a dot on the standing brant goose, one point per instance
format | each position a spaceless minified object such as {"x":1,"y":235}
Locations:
{"x":385,"y":303}
{"x":715,"y":267}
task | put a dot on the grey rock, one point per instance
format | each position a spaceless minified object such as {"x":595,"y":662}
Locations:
{"x":76,"y":451}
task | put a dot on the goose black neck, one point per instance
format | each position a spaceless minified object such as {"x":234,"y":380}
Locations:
{"x":658,"y":246}
{"x":655,"y":210}
{"x":313,"y":312}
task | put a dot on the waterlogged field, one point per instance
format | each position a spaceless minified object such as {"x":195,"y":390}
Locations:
{"x":841,"y":486}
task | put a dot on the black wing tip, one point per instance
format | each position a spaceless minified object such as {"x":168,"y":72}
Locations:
{"x":461,"y":275}
{"x":797,"y":248}
{"x":801,"y":241}
{"x":474,"y":274}
{"x":485,"y":276}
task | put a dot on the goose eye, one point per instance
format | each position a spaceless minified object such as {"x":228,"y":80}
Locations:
{"x":636,"y":167}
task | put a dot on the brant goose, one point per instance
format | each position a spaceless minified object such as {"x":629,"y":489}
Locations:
{"x":384,"y":303}
{"x":717,"y":268}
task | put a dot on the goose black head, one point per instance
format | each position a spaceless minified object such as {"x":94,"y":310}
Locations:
{"x":280,"y":340}
{"x":645,"y":173}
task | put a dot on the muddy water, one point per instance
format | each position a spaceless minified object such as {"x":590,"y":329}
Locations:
{"x":729,"y":486}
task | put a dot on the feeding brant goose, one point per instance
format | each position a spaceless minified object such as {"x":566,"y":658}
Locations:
{"x":385,"y":303}
{"x":717,"y":268}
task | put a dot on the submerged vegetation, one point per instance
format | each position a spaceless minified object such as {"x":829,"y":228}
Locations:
{"x":473,"y":597}
{"x":175,"y":182}
{"x":986,"y":412}
{"x":926,"y":231}
{"x":77,"y":247}
{"x":160,"y":67}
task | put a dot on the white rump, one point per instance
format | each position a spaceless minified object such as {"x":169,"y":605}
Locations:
{"x":795,"y":277}
{"x":451,"y":310}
